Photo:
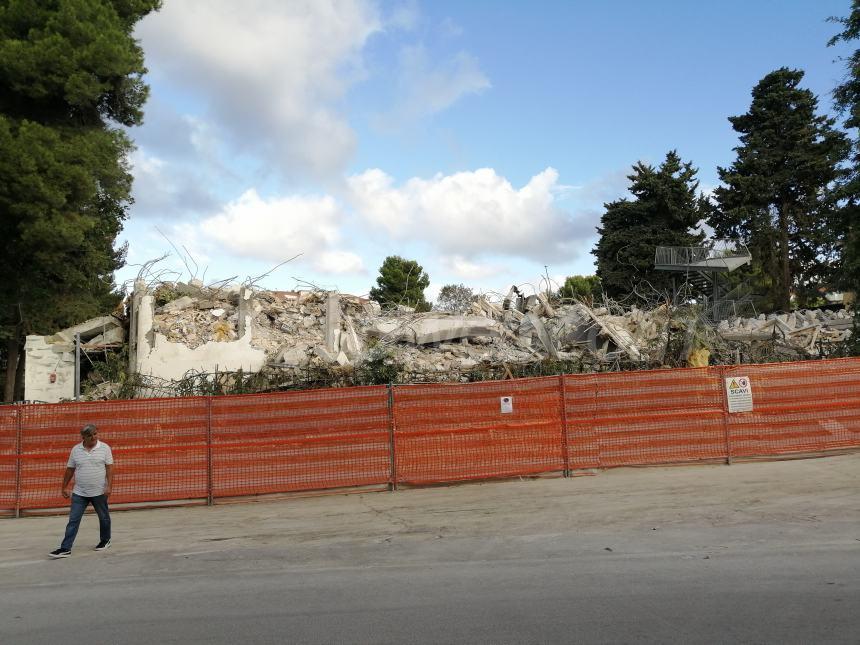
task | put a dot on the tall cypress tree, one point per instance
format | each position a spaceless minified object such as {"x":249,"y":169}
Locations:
{"x":663,"y":212}
{"x":779,"y":195}
{"x":70,"y":77}
{"x":847,"y":99}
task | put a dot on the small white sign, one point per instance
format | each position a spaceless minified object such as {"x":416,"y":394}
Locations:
{"x":507,"y":404}
{"x":739,"y":393}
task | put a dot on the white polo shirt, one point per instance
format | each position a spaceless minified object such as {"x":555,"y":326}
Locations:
{"x":89,"y":465}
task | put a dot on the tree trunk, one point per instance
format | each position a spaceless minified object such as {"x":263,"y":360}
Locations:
{"x":18,"y":393}
{"x":12,"y":353}
{"x":785,"y":272}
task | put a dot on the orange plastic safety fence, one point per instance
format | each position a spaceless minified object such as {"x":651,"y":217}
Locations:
{"x":198,"y":448}
{"x":660,"y":416}
{"x":159,"y":447}
{"x":457,"y":432}
{"x":798,"y":407}
{"x":292,"y":441}
{"x":8,"y":456}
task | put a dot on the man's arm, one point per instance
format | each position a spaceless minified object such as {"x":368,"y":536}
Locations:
{"x":108,"y":479}
{"x":67,"y":477}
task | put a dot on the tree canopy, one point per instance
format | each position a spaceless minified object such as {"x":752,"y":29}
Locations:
{"x":71,"y":73}
{"x":847,"y":99}
{"x":663,"y":212}
{"x":455,"y":298}
{"x":581,"y":287}
{"x":401,"y":282}
{"x":778,"y":196}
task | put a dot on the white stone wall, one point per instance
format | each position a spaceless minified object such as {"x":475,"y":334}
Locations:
{"x":42,"y":359}
{"x":157,"y":356}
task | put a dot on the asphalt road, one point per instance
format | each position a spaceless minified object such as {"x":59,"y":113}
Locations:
{"x":751,"y":553}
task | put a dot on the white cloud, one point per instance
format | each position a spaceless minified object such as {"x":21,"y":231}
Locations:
{"x":468,"y":270}
{"x":277,"y":229}
{"x":163,"y":189}
{"x":426,"y":87}
{"x":269,"y":72}
{"x":343,"y":262}
{"x":470,"y":214}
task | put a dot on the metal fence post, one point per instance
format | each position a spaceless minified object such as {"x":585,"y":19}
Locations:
{"x":209,"y":498}
{"x":392,"y":485}
{"x":565,"y":453}
{"x":721,"y":372}
{"x":19,"y":424}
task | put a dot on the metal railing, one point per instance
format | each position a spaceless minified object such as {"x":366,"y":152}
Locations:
{"x":687,"y":255}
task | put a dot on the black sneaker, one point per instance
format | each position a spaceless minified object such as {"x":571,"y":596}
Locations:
{"x":101,"y":546}
{"x":60,"y":553}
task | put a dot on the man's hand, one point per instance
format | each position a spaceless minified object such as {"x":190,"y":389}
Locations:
{"x":65,"y":493}
{"x":107,"y":491}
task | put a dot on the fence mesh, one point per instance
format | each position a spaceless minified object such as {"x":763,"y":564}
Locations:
{"x":456,"y":432}
{"x":8,"y":456}
{"x":661,"y":416}
{"x":159,"y":447}
{"x":312,"y":439}
{"x":216,"y":447}
{"x":798,"y":407}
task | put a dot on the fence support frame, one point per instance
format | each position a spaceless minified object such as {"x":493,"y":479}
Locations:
{"x":565,"y":453}
{"x":721,"y":375}
{"x":392,"y":484}
{"x":209,"y":497}
{"x":19,"y":426}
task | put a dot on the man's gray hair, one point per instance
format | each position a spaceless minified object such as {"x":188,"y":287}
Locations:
{"x":88,"y":429}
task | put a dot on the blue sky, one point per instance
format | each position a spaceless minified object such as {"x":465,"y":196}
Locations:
{"x":479,"y":138}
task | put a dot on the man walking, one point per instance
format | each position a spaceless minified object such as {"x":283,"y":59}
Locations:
{"x":90,"y":462}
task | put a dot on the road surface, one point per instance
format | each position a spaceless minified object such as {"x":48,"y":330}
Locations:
{"x":765,"y":552}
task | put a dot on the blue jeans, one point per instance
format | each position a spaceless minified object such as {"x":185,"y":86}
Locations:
{"x":79,"y":505}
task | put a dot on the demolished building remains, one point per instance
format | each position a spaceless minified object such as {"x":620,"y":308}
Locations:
{"x":176,"y":329}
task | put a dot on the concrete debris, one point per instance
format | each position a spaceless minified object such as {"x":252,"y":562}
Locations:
{"x":302,"y":328}
{"x":434,"y":328}
{"x":799,"y":330}
{"x":88,"y":330}
{"x":224,"y":328}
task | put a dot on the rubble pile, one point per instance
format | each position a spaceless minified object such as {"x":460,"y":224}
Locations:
{"x":802,"y":331}
{"x":182,"y":338}
{"x":799,"y":329}
{"x":301,"y":328}
{"x":297,"y":329}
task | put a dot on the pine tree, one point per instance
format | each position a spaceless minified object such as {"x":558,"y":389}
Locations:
{"x":778,"y":196}
{"x":663,"y":211}
{"x":401,"y":282}
{"x":71,"y":76}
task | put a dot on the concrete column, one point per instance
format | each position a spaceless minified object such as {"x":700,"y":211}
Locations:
{"x":332,"y":322}
{"x":133,"y":308}
{"x":245,"y":313}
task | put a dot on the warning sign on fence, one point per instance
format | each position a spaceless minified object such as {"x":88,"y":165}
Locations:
{"x":507,"y":403}
{"x":739,"y":394}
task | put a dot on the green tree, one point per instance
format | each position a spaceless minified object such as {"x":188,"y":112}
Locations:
{"x":71,"y":73}
{"x":778,"y":196}
{"x":455,"y":298}
{"x":847,"y":99}
{"x":401,"y":282}
{"x":663,"y":212}
{"x":581,"y":287}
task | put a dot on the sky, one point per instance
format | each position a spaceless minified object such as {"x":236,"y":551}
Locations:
{"x":478,"y":138}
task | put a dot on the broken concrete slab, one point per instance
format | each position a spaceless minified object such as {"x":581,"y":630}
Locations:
{"x":542,"y":334}
{"x":435,"y":329}
{"x":87,"y":329}
{"x":183,"y":302}
{"x":115,"y":336}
